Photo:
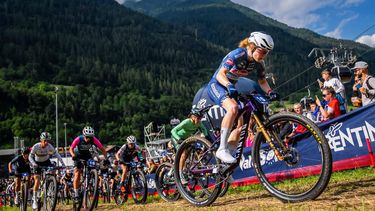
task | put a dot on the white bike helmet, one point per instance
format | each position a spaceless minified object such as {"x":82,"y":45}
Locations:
{"x":45,"y":136}
{"x":88,"y":131}
{"x":131,"y":139}
{"x":261,"y":40}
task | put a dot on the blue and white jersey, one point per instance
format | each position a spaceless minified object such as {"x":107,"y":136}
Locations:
{"x":238,"y":65}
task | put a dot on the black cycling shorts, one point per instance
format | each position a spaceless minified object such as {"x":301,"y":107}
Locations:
{"x":126,"y":159}
{"x":38,"y":170}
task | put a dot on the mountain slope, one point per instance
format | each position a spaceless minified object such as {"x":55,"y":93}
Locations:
{"x":120,"y":69}
{"x":226,"y":23}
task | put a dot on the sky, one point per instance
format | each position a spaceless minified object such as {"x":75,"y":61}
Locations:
{"x":344,"y":19}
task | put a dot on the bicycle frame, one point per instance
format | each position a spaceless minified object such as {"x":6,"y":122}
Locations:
{"x":247,"y":112}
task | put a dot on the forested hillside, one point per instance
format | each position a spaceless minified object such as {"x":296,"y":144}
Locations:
{"x":225,"y":23}
{"x":116,"y":69}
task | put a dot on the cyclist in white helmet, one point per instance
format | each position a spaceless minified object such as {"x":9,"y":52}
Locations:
{"x":127,"y":153}
{"x":40,"y":157}
{"x":222,"y":90}
{"x":81,"y":149}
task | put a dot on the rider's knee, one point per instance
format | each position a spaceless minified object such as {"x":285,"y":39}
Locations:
{"x":232,"y":109}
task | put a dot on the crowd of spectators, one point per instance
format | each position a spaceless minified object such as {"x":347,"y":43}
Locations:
{"x":332,"y":102}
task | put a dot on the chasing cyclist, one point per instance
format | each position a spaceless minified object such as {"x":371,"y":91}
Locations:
{"x":221,"y":88}
{"x":188,"y":127}
{"x":81,"y":149}
{"x":127,"y":153}
{"x":66,"y":179}
{"x":22,"y":165}
{"x":40,"y":157}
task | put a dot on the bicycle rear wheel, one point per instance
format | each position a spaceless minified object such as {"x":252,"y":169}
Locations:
{"x":138,"y":187}
{"x":307,"y":157}
{"x":196,"y":171}
{"x":165,"y":182}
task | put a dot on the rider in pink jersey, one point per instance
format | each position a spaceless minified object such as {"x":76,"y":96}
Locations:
{"x":81,"y":149}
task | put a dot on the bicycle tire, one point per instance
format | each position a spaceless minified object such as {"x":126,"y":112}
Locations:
{"x":160,"y":172}
{"x":77,"y":204}
{"x":92,"y":190}
{"x":107,"y":196}
{"x":183,"y":189}
{"x":134,"y":179}
{"x":50,"y":192}
{"x":319,"y":144}
{"x":224,"y":188}
{"x":24,"y":194}
{"x":119,"y":197}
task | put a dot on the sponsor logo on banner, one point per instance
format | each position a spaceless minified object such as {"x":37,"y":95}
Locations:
{"x":340,"y":137}
{"x":151,"y":183}
{"x":267,"y":157}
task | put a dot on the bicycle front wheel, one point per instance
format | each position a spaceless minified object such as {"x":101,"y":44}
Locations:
{"x":106,"y":192}
{"x":139,"y":187}
{"x":197,"y":171}
{"x":50,"y":197}
{"x":306,"y":167}
{"x":24,"y":193}
{"x":91,"y":192}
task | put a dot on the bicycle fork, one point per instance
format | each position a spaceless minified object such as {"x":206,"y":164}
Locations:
{"x":260,"y":126}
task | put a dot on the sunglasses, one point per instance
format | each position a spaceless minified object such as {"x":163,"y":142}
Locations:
{"x":324,"y":95}
{"x":262,"y":50}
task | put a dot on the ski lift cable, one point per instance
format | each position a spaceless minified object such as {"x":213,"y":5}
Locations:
{"x":364,"y":31}
{"x":287,"y":81}
{"x":360,"y":34}
{"x":305,"y":87}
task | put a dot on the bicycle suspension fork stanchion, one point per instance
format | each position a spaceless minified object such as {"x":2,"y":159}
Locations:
{"x":260,"y":126}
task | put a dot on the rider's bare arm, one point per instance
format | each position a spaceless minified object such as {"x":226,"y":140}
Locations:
{"x":264,"y":85}
{"x":222,"y":76}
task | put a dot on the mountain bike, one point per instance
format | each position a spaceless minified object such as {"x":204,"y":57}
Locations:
{"x":135,"y":182}
{"x":276,"y":160}
{"x":165,"y":182}
{"x":65,"y":196}
{"x":24,"y":192}
{"x":104,"y":185}
{"x":89,"y":186}
{"x":105,"y":188}
{"x":47,"y":192}
{"x":165,"y":178}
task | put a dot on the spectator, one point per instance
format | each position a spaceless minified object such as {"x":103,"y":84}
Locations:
{"x":356,"y":97}
{"x":314,"y":113}
{"x":151,"y":166}
{"x":336,"y":84}
{"x":332,"y":109}
{"x":289,"y":130}
{"x":368,"y":83}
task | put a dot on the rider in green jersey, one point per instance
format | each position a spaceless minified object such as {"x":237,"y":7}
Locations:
{"x":188,"y":127}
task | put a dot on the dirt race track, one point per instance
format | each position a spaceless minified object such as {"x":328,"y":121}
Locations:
{"x":343,"y":195}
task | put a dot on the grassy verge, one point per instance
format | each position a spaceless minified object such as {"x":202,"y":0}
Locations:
{"x":343,"y":182}
{"x":342,"y":176}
